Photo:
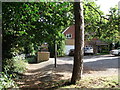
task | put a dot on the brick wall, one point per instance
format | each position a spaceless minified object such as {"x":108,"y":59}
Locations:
{"x":70,"y":30}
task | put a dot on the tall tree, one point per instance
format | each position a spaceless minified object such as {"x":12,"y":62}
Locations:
{"x":79,"y":42}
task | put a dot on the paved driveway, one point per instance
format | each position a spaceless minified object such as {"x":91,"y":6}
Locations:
{"x":96,"y":62}
{"x":101,"y":64}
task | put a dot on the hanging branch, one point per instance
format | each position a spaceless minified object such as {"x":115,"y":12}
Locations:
{"x":96,"y":11}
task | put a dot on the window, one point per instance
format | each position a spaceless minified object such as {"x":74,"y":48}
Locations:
{"x":68,"y":35}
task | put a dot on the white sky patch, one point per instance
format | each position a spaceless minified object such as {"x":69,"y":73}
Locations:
{"x":105,"y":5}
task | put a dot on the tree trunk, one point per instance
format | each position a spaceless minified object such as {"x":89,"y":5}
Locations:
{"x":79,"y":42}
{"x":0,"y":36}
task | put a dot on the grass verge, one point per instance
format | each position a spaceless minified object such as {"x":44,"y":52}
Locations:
{"x":96,"y":82}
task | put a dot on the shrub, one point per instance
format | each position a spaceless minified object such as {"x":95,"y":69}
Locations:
{"x":8,"y":65}
{"x":31,"y":59}
{"x":19,"y":66}
{"x":11,"y":67}
{"x":6,"y":81}
{"x":14,"y":65}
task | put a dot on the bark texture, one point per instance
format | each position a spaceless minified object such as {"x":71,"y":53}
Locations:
{"x":79,"y":42}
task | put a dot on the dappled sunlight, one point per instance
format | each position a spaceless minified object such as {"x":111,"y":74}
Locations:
{"x":46,"y":76}
{"x":43,"y":75}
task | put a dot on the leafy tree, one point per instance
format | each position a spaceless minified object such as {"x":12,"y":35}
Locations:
{"x":27,"y":25}
{"x":111,"y":28}
{"x":92,"y":17}
{"x":33,"y":23}
{"x":103,"y":27}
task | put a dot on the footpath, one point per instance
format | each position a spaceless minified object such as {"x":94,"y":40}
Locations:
{"x":44,"y":75}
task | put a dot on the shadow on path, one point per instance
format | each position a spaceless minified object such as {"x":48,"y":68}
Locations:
{"x":49,"y":77}
{"x":46,"y":77}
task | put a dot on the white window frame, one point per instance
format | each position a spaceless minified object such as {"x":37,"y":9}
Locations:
{"x":68,"y":36}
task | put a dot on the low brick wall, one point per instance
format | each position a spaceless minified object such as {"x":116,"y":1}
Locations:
{"x":42,"y":56}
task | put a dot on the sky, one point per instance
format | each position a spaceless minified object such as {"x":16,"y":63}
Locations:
{"x":106,"y":4}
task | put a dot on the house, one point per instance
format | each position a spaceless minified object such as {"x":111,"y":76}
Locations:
{"x":98,"y":45}
{"x":69,"y":33}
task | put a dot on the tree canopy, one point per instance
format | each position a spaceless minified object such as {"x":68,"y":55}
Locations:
{"x":27,"y":23}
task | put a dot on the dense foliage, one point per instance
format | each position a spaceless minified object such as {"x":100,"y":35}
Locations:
{"x":27,"y":25}
{"x":92,"y":17}
{"x":14,"y":65}
{"x":6,"y":81}
{"x":111,"y":31}
{"x":104,"y":27}
{"x":31,"y":24}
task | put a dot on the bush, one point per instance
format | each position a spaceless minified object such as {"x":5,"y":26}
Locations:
{"x":19,"y":66}
{"x":8,"y":65}
{"x":31,"y":59}
{"x":11,"y":68}
{"x":14,"y":65}
{"x":6,"y":81}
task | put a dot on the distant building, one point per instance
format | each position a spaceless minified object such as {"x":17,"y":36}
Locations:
{"x":69,"y":33}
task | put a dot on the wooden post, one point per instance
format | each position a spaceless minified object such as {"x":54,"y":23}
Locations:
{"x":55,"y":54}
